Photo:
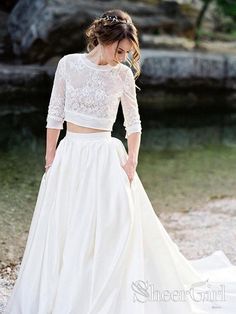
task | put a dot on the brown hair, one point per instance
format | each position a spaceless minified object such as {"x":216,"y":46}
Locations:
{"x":108,"y":31}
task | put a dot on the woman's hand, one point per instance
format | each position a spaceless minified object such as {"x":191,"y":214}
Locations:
{"x":130,"y":168}
{"x":48,"y":161}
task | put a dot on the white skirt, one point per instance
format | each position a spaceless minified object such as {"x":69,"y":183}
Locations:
{"x":96,"y":246}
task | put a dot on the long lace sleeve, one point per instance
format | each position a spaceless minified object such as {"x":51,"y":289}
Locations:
{"x":55,"y":116}
{"x":132,"y":122}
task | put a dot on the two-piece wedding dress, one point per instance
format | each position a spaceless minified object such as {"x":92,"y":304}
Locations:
{"x":95,"y":244}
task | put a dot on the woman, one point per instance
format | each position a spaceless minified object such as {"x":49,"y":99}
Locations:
{"x":95,"y":245}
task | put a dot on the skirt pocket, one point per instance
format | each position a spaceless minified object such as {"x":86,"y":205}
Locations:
{"x":126,"y":176}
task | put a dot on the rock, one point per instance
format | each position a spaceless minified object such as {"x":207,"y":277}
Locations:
{"x":24,"y":79}
{"x":166,"y":42}
{"x":169,"y":69}
{"x":188,"y":69}
{"x":180,"y":24}
{"x":41,"y":29}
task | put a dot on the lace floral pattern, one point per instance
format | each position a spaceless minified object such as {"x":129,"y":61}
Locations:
{"x":84,"y":89}
{"x":55,"y":117}
{"x":129,"y":105}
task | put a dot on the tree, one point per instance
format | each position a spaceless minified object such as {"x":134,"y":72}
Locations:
{"x":227,"y":6}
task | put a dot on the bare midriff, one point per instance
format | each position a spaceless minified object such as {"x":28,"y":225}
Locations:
{"x":81,"y":129}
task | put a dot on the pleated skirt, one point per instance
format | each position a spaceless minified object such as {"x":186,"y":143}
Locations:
{"x":96,"y":246}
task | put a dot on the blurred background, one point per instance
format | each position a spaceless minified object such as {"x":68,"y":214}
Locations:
{"x":187,"y":104}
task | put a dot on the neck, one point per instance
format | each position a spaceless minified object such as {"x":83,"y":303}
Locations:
{"x":96,"y":55}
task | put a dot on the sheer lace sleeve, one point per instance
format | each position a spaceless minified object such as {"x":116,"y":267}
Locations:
{"x":55,"y":117}
{"x":132,"y":122}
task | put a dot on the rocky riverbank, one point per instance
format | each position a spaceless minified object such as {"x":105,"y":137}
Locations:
{"x":35,"y":34}
{"x":160,"y":68}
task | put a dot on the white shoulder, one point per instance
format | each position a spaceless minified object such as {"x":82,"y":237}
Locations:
{"x":123,"y":71}
{"x":71,"y":56}
{"x":124,"y":67}
{"x":126,"y":74}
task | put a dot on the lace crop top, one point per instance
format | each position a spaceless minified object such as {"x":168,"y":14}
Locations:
{"x":89,"y":94}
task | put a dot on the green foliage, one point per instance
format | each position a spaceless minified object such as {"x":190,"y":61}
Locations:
{"x":225,"y":8}
{"x":228,"y":7}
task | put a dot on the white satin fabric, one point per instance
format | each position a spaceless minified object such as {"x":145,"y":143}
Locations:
{"x":96,"y":246}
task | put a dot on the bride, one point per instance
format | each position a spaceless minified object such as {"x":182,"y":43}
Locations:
{"x":95,"y":244}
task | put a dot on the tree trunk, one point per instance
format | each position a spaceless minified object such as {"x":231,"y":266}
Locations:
{"x":199,"y":21}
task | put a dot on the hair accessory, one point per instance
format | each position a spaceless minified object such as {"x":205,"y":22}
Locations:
{"x":113,"y":18}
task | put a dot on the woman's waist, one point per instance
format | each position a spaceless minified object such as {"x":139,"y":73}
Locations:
{"x":87,"y":136}
{"x":72,"y":127}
